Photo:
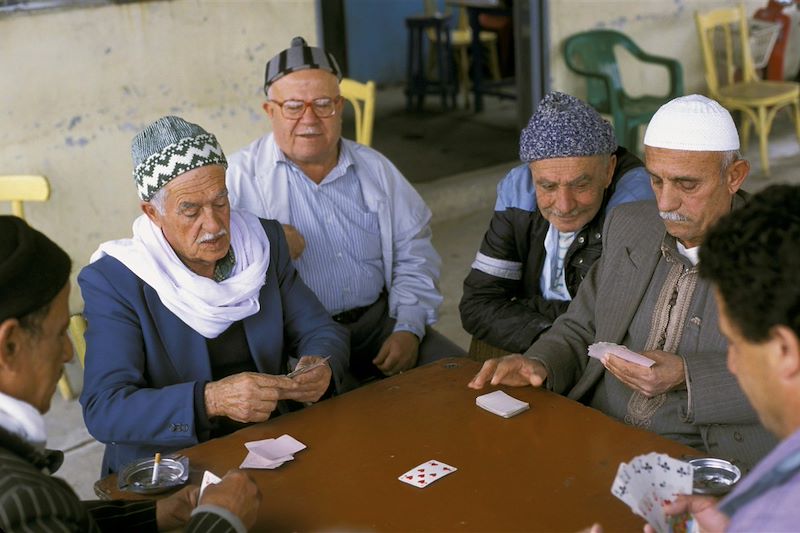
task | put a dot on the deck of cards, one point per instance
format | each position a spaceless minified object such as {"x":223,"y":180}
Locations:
{"x":501,"y":404}
{"x":423,"y":475}
{"x":650,"y":480}
{"x":599,"y":349}
{"x":271,"y":453}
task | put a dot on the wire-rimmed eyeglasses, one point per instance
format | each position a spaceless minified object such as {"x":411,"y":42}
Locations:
{"x":322,"y":107}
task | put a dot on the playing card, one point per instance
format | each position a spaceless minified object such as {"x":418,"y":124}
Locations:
{"x":208,"y":479}
{"x":423,"y":475}
{"x":599,"y":349}
{"x":647,"y":482}
{"x":500,"y":403}
{"x":276,"y":449}
{"x":256,"y":461}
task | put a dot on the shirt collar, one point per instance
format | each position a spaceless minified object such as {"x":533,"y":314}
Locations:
{"x":346,"y":160}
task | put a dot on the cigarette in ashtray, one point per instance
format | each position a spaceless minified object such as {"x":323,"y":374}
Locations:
{"x":156,"y":464}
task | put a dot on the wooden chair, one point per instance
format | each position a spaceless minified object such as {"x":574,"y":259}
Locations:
{"x":362,"y":97}
{"x":593,"y":54}
{"x":30,"y":188}
{"x":77,"y":330}
{"x":481,"y":351}
{"x":460,"y":42}
{"x":738,"y":87}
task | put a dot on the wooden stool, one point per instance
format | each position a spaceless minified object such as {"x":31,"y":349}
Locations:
{"x":417,"y":82}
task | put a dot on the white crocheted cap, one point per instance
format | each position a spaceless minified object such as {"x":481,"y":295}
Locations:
{"x":693,"y":123}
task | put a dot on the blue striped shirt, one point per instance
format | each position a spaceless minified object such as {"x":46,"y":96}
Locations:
{"x":342,"y":261}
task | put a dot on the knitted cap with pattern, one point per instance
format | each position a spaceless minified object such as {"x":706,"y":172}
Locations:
{"x":169,"y":147}
{"x":565,"y":126}
{"x":299,"y":56}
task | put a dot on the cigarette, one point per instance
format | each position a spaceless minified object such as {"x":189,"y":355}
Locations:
{"x":156,"y":464}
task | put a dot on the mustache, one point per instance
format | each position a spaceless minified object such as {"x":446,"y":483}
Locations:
{"x":563,"y":214}
{"x":673,"y":216}
{"x":205,"y":237}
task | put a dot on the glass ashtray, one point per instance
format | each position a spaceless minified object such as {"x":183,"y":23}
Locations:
{"x":715,"y":477}
{"x":173,"y":471}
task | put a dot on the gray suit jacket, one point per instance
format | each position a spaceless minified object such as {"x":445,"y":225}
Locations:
{"x":603,"y":310}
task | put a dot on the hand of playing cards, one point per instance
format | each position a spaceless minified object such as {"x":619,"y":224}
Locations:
{"x":599,"y":349}
{"x":649,"y":480}
{"x":271,"y":453}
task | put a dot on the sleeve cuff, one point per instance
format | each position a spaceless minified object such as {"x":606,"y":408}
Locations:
{"x":200,"y":416}
{"x":225,"y":514}
{"x":411,"y":319}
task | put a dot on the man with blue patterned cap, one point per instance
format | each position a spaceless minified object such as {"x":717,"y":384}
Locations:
{"x":358,"y":232}
{"x":192,"y":322}
{"x":644,"y":293}
{"x":547,"y":225}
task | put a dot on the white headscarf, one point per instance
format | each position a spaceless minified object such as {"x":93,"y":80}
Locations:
{"x":203,"y":304}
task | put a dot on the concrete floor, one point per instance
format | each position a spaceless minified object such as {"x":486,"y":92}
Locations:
{"x":462,"y":206}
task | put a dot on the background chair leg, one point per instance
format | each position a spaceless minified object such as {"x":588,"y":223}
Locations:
{"x":66,"y":389}
{"x":762,"y":139}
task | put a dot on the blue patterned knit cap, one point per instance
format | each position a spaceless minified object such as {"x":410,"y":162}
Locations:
{"x":169,"y":147}
{"x":565,"y":126}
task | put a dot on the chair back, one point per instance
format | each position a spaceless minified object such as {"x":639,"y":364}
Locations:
{"x":362,"y":97}
{"x":77,"y":330}
{"x":23,"y":188}
{"x":726,"y":56}
{"x":591,"y":54}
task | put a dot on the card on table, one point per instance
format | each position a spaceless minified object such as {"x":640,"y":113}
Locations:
{"x":647,"y":482}
{"x":500,"y":403}
{"x":271,"y":453}
{"x":208,"y":479}
{"x":599,"y":349}
{"x":423,"y":475}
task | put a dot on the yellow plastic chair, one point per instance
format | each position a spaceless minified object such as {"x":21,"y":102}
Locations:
{"x":30,"y":188}
{"x":77,"y":329}
{"x":22,"y":188}
{"x":738,"y":88}
{"x":362,"y":97}
{"x":460,"y":42}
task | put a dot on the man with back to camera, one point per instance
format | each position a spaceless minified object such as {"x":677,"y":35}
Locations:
{"x":644,"y":292}
{"x":358,"y":232}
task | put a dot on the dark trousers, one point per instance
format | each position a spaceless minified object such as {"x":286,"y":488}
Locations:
{"x":368,"y":333}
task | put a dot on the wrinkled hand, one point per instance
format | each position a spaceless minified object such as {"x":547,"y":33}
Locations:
{"x":311,"y":385}
{"x":246,"y":397}
{"x":514,"y":370}
{"x":295,"y":240}
{"x":399,"y":352}
{"x":702,"y":508}
{"x":238,"y":494}
{"x":665,"y":375}
{"x":175,"y":511}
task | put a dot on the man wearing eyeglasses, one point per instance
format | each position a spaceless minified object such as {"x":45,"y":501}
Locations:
{"x":358,"y":232}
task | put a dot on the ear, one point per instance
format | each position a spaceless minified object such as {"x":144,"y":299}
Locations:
{"x":10,"y":343}
{"x":269,"y":109}
{"x":612,"y":165}
{"x":736,"y":174}
{"x":787,"y":364}
{"x":151,"y":212}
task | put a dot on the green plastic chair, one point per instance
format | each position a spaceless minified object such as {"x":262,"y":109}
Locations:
{"x":591,"y":54}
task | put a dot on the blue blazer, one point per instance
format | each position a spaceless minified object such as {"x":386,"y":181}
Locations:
{"x":143,"y":362}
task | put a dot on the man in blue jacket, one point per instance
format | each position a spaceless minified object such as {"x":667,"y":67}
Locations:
{"x":193,"y":322}
{"x":548,"y":222}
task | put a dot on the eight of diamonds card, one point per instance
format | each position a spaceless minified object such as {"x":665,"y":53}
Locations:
{"x":423,"y":475}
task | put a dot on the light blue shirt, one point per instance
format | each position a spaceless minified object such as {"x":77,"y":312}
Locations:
{"x":342,"y":259}
{"x":260,"y":180}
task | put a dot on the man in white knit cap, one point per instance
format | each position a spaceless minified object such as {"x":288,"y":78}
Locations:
{"x":644,"y":293}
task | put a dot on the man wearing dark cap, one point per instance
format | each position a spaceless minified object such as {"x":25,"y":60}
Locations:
{"x":548,"y":221}
{"x":34,"y":314}
{"x":192,"y":322}
{"x":644,"y":294}
{"x":358,"y":232}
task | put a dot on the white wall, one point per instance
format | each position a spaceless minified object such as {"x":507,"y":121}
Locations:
{"x":76,"y":85}
{"x":661,"y":27}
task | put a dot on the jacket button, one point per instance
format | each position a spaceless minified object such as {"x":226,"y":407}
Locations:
{"x":581,"y":239}
{"x":737,"y":436}
{"x":597,"y":235}
{"x":185,"y":427}
{"x":173,"y":427}
{"x":580,"y":261}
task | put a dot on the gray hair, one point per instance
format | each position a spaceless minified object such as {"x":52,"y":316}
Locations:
{"x":159,"y":200}
{"x":728,"y":158}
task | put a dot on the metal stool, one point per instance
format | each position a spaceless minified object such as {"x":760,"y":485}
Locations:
{"x":417,"y":82}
